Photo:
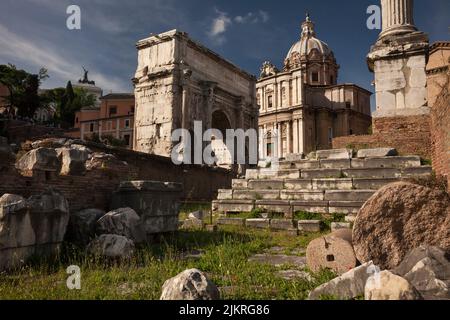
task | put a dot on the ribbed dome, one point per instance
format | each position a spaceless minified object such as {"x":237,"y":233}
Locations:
{"x":308,"y":41}
{"x":305,"y":45}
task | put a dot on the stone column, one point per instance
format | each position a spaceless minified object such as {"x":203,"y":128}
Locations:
{"x":295,"y":135}
{"x":288,"y":138}
{"x":279,"y":140}
{"x":301,"y":136}
{"x":118,"y":129}
{"x":263,"y":141}
{"x":397,"y":17}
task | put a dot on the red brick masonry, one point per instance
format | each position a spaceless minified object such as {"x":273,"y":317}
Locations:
{"x":409,"y":135}
{"x":95,"y":188}
{"x":440,"y":134}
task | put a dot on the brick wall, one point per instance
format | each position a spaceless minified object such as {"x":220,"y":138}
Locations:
{"x":18,"y":131}
{"x":95,"y":188}
{"x":409,"y":135}
{"x":440,"y":133}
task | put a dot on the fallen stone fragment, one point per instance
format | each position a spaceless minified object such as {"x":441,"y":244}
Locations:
{"x":398,"y":218}
{"x":190,"y":285}
{"x":388,"y":286}
{"x":427,"y":268}
{"x":330,"y":252}
{"x":350,"y":285}
{"x":111,"y":246}
{"x":124,"y":221}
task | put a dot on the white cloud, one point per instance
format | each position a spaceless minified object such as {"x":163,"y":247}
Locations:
{"x":61,"y":67}
{"x":251,"y":17}
{"x":222,"y":22}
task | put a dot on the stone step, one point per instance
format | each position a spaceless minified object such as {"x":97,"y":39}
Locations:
{"x":233,"y":205}
{"x":321,"y":173}
{"x":278,"y":206}
{"x":266,"y":184}
{"x":348,"y":195}
{"x":302,"y":195}
{"x":256,"y":194}
{"x":315,"y":184}
{"x":367,"y":163}
{"x":387,"y":162}
{"x":387,"y":172}
{"x":346,"y":207}
{"x":372,"y":183}
{"x":288,"y":206}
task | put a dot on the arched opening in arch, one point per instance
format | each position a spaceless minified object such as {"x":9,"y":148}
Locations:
{"x":221,"y":122}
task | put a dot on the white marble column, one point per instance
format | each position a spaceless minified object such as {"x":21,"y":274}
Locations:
{"x":301,"y":136}
{"x":397,"y":17}
{"x":295,"y":136}
{"x":279,"y":141}
{"x":288,"y":138}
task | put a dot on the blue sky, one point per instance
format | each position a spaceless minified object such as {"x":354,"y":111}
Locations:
{"x":33,"y":33}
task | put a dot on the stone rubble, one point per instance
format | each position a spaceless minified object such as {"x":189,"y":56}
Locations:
{"x":191,"y":284}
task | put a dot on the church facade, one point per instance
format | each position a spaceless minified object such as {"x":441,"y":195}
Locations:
{"x":302,"y":107}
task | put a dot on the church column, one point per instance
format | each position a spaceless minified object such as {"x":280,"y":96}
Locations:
{"x":288,"y":137}
{"x":280,"y":141}
{"x":279,"y":102}
{"x":301,"y":135}
{"x":264,"y":147}
{"x":295,"y":136}
{"x":261,"y":142}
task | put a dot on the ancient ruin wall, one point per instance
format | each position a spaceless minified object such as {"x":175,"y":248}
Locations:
{"x":409,"y":135}
{"x":440,"y":132}
{"x":95,"y":188}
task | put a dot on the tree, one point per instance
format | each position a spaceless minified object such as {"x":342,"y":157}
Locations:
{"x":23,"y":89}
{"x":67,"y":102}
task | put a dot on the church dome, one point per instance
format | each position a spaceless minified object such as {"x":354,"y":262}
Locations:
{"x":308,"y":42}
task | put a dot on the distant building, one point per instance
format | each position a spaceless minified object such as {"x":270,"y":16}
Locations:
{"x":90,"y":87}
{"x":113,"y":119}
{"x":302,"y":107}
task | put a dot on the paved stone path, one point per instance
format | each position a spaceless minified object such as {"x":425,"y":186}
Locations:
{"x":279,"y":260}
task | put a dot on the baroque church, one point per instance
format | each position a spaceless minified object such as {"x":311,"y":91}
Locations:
{"x":302,"y":106}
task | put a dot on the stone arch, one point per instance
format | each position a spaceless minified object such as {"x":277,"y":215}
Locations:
{"x":221,"y":122}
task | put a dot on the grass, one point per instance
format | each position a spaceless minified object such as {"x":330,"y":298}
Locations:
{"x":225,"y":260}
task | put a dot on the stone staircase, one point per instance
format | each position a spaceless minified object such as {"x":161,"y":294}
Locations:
{"x":332,"y":182}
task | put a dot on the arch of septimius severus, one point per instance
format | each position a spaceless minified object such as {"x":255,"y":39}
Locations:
{"x":178,"y":82}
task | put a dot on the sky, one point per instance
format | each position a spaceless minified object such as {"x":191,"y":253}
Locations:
{"x":33,"y":34}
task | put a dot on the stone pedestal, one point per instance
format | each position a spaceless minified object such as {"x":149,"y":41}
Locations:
{"x":398,"y":63}
{"x":157,"y":203}
{"x":398,"y":60}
